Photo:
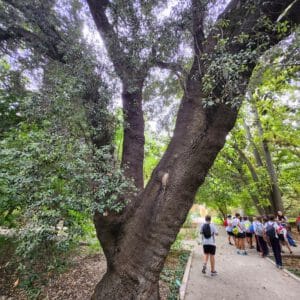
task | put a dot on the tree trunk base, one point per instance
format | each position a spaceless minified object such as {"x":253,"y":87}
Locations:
{"x":113,"y":287}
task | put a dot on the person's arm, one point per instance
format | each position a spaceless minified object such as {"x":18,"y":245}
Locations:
{"x":215,"y":230}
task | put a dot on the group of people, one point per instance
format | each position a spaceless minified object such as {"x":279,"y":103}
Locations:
{"x":264,"y":232}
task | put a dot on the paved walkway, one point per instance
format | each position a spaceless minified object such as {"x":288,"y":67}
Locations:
{"x":239,"y":277}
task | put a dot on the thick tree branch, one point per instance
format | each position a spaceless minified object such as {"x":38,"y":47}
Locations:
{"x":33,"y":41}
{"x":111,"y":40}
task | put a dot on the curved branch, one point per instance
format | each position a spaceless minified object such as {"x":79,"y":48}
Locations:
{"x":110,"y":38}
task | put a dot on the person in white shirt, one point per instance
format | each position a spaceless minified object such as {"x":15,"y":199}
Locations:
{"x":240,"y":234}
{"x":208,"y":232}
{"x":229,"y":229}
{"x":259,"y":233}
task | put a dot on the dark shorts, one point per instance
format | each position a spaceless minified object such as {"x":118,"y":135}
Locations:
{"x":230,"y":233}
{"x":241,"y":235}
{"x":209,"y":249}
{"x":249,"y":234}
{"x":281,"y":237}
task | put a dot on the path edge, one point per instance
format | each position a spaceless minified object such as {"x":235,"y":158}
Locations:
{"x":185,"y":278}
{"x":284,"y":270}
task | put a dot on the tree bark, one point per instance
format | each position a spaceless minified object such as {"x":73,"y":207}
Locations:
{"x":134,"y":139}
{"x":132,"y":74}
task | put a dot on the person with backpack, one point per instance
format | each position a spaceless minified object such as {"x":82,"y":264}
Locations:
{"x":259,"y":233}
{"x":249,"y":231}
{"x":240,"y":234}
{"x":208,"y":232}
{"x":271,"y":233}
{"x":254,"y":223}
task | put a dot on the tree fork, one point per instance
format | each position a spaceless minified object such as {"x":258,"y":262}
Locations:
{"x":199,"y":135}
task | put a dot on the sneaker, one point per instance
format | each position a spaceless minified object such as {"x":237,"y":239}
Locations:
{"x":230,"y":243}
{"x":279,"y":267}
{"x":238,"y":252}
{"x":213,"y":273}
{"x":204,"y":269}
{"x":244,"y":253}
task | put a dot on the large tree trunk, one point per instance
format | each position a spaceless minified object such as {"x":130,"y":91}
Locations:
{"x":138,"y":250}
{"x":136,"y":242}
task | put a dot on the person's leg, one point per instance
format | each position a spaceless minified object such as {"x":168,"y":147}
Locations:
{"x":212,"y":263}
{"x":286,"y":243}
{"x":205,"y":260}
{"x":257,"y":243}
{"x":229,"y":238}
{"x":237,"y":243}
{"x":263,"y":246}
{"x":251,"y":241}
{"x":243,"y":243}
{"x":277,"y":251}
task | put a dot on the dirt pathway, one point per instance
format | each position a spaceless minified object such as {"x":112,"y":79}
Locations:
{"x":239,"y":277}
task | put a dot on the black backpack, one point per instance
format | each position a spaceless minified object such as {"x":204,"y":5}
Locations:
{"x":206,"y":230}
{"x":270,"y":231}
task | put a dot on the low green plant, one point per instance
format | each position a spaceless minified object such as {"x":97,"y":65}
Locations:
{"x":173,"y":275}
{"x":177,"y":245}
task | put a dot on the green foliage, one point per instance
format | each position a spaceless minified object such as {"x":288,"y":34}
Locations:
{"x":12,"y":94}
{"x":177,"y":245}
{"x":57,"y":166}
{"x":230,"y":183}
{"x":173,"y":276}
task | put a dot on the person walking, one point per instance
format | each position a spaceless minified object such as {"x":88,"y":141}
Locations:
{"x":208,"y":231}
{"x":259,"y":232}
{"x":229,"y":229}
{"x":271,"y":231}
{"x":240,"y":234}
{"x":255,"y":222}
{"x":249,"y":230}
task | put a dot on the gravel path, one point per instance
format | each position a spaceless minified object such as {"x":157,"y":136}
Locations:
{"x":239,"y":277}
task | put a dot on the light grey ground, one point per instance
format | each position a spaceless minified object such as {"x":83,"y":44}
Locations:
{"x":239,"y":277}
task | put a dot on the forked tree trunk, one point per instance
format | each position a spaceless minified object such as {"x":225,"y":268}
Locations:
{"x":138,"y":249}
{"x":136,"y":242}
